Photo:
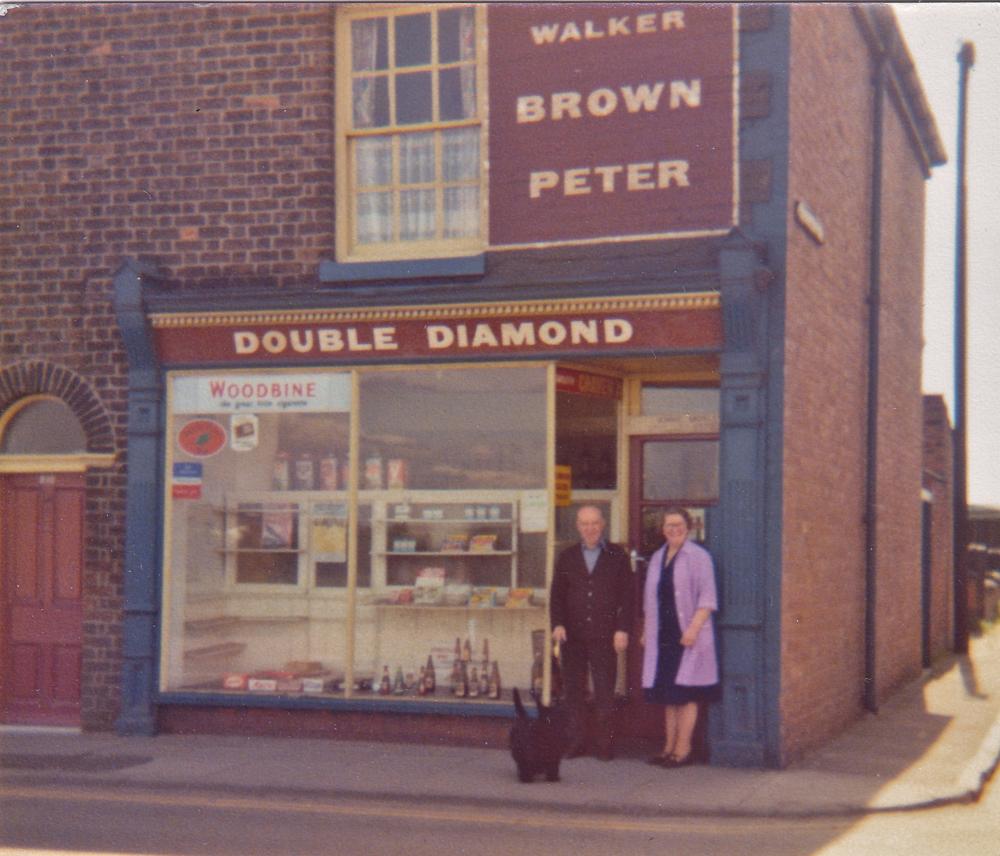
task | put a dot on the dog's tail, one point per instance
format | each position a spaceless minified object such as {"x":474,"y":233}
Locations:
{"x":521,"y":712}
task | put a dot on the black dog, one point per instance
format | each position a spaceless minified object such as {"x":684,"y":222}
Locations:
{"x":537,"y":745}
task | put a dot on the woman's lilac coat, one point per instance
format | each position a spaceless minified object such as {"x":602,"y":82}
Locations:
{"x":694,"y":588}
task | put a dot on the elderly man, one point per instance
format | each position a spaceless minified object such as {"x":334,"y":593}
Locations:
{"x":591,"y":612}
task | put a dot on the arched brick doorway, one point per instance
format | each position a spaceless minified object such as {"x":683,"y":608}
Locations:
{"x":53,"y":430}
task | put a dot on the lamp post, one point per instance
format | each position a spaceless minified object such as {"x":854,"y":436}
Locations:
{"x":966,"y":59}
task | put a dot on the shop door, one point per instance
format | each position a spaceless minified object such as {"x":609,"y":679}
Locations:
{"x":41,"y":521}
{"x":665,"y":472}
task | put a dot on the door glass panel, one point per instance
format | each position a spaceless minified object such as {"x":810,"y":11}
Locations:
{"x":680,"y":470}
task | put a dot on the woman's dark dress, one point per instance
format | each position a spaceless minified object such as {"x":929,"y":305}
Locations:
{"x":665,"y":690}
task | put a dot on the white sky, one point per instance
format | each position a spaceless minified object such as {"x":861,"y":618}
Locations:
{"x":934,"y":33}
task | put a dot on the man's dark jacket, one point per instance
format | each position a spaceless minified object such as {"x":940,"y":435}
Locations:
{"x":592,"y":605}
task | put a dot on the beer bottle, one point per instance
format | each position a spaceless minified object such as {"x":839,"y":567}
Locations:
{"x":398,"y":685}
{"x":474,"y":683}
{"x":467,"y":652}
{"x":456,"y":675}
{"x":430,"y":680}
{"x":385,"y":686}
{"x":484,"y":679}
{"x":422,"y":682}
{"x":494,"y":685}
{"x":462,"y":687}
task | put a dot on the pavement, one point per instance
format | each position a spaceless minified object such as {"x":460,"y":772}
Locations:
{"x":936,"y":741}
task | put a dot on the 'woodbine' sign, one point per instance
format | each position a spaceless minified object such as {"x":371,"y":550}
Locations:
{"x":611,"y":121}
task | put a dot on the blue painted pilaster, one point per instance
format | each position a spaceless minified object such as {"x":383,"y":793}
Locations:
{"x":142,"y":509}
{"x":738,"y":726}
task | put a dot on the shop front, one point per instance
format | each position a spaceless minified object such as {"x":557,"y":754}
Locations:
{"x":361,"y":508}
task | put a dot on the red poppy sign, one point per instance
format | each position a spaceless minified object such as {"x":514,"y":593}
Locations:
{"x":201,"y":437}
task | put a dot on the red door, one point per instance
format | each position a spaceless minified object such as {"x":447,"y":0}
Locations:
{"x":41,"y":616}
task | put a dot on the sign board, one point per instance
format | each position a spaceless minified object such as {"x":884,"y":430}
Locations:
{"x":646,"y":325}
{"x":564,"y":486}
{"x":615,"y":121}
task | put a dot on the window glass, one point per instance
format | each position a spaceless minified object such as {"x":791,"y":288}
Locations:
{"x":43,"y":427}
{"x":454,"y":460}
{"x":416,"y":159}
{"x":456,"y":33}
{"x":371,"y":102}
{"x":413,"y":40}
{"x":431,"y":82}
{"x":413,"y":98}
{"x":679,"y":402}
{"x":257,"y":530}
{"x":369,"y":45}
{"x":680,"y":470}
{"x":587,"y":439}
{"x":451,"y":541}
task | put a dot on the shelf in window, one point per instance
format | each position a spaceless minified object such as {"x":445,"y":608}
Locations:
{"x":450,"y":521}
{"x":259,"y":550}
{"x":463,"y":607}
{"x":442,"y":553}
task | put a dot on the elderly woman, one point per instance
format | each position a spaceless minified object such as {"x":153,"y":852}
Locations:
{"x":679,"y":666}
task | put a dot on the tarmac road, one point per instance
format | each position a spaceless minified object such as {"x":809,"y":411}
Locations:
{"x":106,"y":820}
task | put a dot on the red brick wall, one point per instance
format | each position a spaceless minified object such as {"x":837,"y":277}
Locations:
{"x":199,"y":137}
{"x":938,"y":475}
{"x":826,"y":370}
{"x":823,"y":569}
{"x":900,"y":425}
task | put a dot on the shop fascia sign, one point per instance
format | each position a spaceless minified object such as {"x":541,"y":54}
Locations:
{"x":612,"y":122}
{"x":612,"y":325}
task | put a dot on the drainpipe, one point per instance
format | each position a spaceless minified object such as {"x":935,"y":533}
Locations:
{"x":874,"y":308}
{"x":966,"y":59}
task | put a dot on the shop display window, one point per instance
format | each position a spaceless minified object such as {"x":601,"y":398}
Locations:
{"x":457,"y":457}
{"x":267,"y":587}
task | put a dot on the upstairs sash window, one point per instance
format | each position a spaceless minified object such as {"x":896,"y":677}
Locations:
{"x":411,"y":126}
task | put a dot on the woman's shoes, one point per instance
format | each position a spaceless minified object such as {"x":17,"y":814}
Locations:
{"x":671,"y":760}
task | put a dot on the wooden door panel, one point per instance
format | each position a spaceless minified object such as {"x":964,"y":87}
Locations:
{"x":41,"y":598}
{"x":68,"y":543}
{"x":66,"y":675}
{"x":26,"y":673}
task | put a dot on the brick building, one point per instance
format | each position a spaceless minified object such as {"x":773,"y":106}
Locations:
{"x":326,"y":298}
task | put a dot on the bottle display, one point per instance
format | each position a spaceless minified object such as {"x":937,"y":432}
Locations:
{"x":304,"y":472}
{"x":374,"y":475}
{"x":281,"y":477}
{"x":329,"y":473}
